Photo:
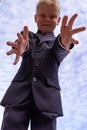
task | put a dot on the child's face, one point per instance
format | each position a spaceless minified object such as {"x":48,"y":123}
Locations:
{"x":47,"y":17}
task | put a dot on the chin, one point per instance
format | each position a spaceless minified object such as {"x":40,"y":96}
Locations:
{"x":46,"y":31}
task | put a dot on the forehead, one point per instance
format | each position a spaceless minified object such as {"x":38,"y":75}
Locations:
{"x":47,"y":7}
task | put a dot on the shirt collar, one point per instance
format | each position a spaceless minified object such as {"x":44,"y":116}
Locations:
{"x":45,"y":37}
{"x":44,"y":34}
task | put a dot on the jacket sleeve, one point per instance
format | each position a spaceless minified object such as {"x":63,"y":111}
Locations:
{"x":59,"y":50}
{"x":71,"y":45}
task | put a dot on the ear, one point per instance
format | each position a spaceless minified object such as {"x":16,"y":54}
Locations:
{"x":35,"y":18}
{"x":59,"y":18}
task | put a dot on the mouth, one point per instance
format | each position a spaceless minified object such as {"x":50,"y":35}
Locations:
{"x":47,"y":25}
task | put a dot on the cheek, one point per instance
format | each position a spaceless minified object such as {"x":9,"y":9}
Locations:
{"x":40,"y":21}
{"x":54,"y":23}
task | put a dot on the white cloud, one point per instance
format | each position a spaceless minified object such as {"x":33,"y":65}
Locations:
{"x":73,"y":80}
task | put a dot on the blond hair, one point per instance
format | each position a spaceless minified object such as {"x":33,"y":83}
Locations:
{"x":52,"y":2}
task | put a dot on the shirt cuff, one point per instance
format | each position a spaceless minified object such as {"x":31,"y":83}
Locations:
{"x":60,"y":44}
{"x":71,"y":45}
{"x":27,"y":47}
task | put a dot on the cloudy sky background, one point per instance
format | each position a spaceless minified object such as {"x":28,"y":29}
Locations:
{"x":73,"y":70}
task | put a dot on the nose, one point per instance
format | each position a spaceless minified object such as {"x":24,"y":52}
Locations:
{"x":47,"y":18}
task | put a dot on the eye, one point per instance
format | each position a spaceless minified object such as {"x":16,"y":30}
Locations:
{"x":42,"y":15}
{"x":53,"y":16}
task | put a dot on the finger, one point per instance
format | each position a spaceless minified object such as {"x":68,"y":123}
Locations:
{"x":25,"y":32}
{"x":71,"y":21}
{"x":16,"y":59}
{"x":11,"y":52}
{"x":20,"y":38}
{"x":74,"y":41}
{"x":64,"y":22}
{"x":78,"y":30}
{"x":12,"y":44}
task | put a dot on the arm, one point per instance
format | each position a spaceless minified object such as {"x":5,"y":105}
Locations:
{"x":20,"y":45}
{"x":59,"y":50}
{"x":67,"y":32}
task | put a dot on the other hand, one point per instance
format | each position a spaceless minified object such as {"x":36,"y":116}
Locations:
{"x":20,"y":45}
{"x":67,"y":31}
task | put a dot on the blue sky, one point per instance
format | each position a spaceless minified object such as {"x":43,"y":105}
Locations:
{"x":73,"y":70}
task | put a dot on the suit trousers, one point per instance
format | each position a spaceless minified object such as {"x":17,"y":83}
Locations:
{"x":18,"y":117}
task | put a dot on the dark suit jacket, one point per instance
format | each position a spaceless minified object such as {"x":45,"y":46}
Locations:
{"x":39,"y":72}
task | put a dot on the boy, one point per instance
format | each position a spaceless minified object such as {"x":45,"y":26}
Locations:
{"x":34,"y":93}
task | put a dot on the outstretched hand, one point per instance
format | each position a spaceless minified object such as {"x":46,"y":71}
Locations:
{"x":67,"y":32}
{"x":20,"y":45}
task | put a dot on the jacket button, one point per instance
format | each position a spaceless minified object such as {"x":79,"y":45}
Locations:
{"x":37,"y":63}
{"x":34,"y":79}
